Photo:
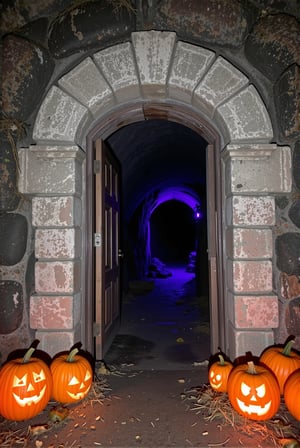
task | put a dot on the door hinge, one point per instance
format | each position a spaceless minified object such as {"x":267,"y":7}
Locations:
{"x":97,"y":239}
{"x":96,"y":329}
{"x":97,"y":166}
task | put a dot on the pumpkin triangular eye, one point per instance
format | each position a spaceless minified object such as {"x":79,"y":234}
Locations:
{"x":37,"y":377}
{"x":17,"y":382}
{"x":73,"y":381}
{"x":261,"y":391}
{"x":87,"y":376}
{"x":245,"y":389}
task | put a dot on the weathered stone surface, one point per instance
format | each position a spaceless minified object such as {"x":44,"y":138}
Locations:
{"x":274,"y":45}
{"x":87,"y":85}
{"x":35,"y":31}
{"x":13,"y":241}
{"x":59,"y":117}
{"x":246,"y":117}
{"x":16,"y":14}
{"x":225,"y":23}
{"x":57,"y":243}
{"x":57,"y":277}
{"x":296,"y":165}
{"x":11,"y":308}
{"x":290,"y":286}
{"x":89,"y":25}
{"x":286,"y":94}
{"x":9,"y":197}
{"x":153,"y":52}
{"x":253,"y":311}
{"x":243,"y":341}
{"x":29,"y":276}
{"x":294,"y":213}
{"x":251,"y":211}
{"x":54,"y":312}
{"x":26,"y":70}
{"x":287,"y":250}
{"x":292,"y":317}
{"x":281,"y":202}
{"x":59,"y":211}
{"x":249,"y":243}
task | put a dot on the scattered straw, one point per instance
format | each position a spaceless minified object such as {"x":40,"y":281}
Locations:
{"x":215,"y":406}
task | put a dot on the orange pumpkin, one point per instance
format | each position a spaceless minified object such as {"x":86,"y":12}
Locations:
{"x":282,"y":362}
{"x":72,"y":377}
{"x":25,"y":387}
{"x":253,"y":391}
{"x":291,"y":393}
{"x":218,"y":374}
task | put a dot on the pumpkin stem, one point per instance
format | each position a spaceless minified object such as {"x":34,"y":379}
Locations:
{"x":222,"y":362}
{"x":71,"y":355}
{"x":288,"y":347}
{"x":251,"y":368}
{"x":27,"y":355}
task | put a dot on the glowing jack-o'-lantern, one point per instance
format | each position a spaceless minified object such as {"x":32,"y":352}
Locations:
{"x":253,"y":391}
{"x":218,"y":374}
{"x":72,"y":377}
{"x":282,"y":361}
{"x":25,"y":387}
{"x":292,"y":394}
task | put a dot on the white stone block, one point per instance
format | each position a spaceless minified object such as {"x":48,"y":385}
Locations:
{"x":250,"y":211}
{"x":118,"y":65}
{"x":190,"y":63}
{"x":246,"y":243}
{"x":59,"y":211}
{"x":51,"y":170}
{"x":59,"y":118}
{"x":246,"y":117}
{"x":220,"y":83}
{"x":57,"y":243}
{"x":87,"y":85}
{"x":153,"y":51}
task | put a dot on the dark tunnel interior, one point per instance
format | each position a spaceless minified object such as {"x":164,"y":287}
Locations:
{"x":163,"y":182}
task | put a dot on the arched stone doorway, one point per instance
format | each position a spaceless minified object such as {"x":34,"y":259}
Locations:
{"x":155,"y":75}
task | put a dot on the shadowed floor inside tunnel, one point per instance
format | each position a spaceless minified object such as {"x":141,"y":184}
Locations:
{"x":164,"y":324}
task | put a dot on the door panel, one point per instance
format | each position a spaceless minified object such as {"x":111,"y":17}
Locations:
{"x":107,"y":269}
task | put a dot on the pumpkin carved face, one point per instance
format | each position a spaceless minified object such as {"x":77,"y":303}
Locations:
{"x":253,"y":392}
{"x":78,"y":387}
{"x":72,"y":377}
{"x":25,"y":385}
{"x":218,"y":374}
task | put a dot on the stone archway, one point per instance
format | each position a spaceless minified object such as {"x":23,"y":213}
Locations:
{"x":208,"y":93}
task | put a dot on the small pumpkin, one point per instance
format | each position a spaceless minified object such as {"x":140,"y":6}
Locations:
{"x":253,"y":391}
{"x":282,"y":361}
{"x":291,"y":393}
{"x":72,"y":377}
{"x":25,"y":387}
{"x":218,"y":374}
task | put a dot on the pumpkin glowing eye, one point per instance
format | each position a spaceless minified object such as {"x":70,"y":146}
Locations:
{"x":37,"y":377}
{"x":73,"y":381}
{"x":218,"y":377}
{"x":17,"y":382}
{"x":87,"y":376}
{"x":212,"y":374}
{"x":245,"y":389}
{"x":261,"y":391}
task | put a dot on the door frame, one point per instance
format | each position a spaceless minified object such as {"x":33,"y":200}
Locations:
{"x":182,"y":114}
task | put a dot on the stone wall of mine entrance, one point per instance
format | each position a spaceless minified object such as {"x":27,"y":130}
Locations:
{"x":156,"y":67}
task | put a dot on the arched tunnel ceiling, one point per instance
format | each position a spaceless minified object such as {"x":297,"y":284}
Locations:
{"x":156,"y":155}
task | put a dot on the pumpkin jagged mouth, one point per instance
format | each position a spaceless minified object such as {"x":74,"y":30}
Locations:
{"x":28,"y":401}
{"x":253,"y":408}
{"x":78,"y":395}
{"x":216,"y":386}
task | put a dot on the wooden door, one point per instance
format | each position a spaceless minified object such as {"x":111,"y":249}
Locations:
{"x":106,"y":246}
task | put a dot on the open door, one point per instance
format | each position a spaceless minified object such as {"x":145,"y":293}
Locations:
{"x":106,"y":246}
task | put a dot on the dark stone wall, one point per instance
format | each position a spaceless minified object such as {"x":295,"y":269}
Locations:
{"x":40,"y":43}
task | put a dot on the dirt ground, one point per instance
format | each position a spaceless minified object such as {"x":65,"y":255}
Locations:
{"x":131,"y":408}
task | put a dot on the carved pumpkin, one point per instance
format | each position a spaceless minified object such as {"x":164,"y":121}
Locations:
{"x":72,"y":377}
{"x":282,"y":362}
{"x":25,"y":387}
{"x":291,"y":394}
{"x":253,"y":391}
{"x":218,"y":374}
